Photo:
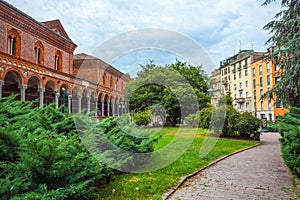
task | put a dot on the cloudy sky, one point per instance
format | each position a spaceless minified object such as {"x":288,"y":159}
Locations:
{"x":218,"y":27}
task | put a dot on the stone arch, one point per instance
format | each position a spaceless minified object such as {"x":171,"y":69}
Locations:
{"x":106,"y":102}
{"x":64,"y":91}
{"x":76,"y":99}
{"x":12,"y":84}
{"x":99,"y":102}
{"x":33,"y":88}
{"x":112,"y":105}
{"x":93,"y":101}
{"x":50,"y":88}
{"x":84,"y":100}
{"x":116,"y":106}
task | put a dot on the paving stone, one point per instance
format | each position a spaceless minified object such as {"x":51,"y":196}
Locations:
{"x":257,"y":173}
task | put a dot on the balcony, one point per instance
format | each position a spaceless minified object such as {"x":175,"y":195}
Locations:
{"x":240,"y":100}
{"x":225,"y":82}
{"x":245,"y":66}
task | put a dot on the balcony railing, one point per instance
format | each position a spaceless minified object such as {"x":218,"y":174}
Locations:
{"x":240,"y":100}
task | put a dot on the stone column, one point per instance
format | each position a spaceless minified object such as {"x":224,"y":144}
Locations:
{"x":118,"y":108}
{"x":57,"y":99}
{"x":108,"y":109}
{"x":79,"y":103}
{"x":70,"y":103}
{"x":127,"y":108}
{"x":102,"y":107}
{"x":41,"y":90}
{"x":88,"y":104}
{"x":23,"y":92}
{"x":124,"y":108}
{"x":1,"y":83}
{"x":96,"y":107}
{"x":121,"y":109}
{"x":113,"y":108}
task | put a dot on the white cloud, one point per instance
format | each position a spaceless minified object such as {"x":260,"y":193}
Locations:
{"x":217,"y":26}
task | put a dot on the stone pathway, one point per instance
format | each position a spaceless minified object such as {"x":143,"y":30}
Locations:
{"x":257,"y":173}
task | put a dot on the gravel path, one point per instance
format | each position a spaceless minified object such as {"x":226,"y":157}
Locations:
{"x":257,"y":173}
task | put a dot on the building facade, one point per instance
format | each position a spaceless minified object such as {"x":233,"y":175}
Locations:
{"x":249,"y":78}
{"x":236,"y":78}
{"x":215,"y":87}
{"x":263,"y":104}
{"x":36,"y":62}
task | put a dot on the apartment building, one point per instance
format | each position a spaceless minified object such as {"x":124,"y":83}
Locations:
{"x":236,"y":78}
{"x":263,"y":104}
{"x":215,"y":87}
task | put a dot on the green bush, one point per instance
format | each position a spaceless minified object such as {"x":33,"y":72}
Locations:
{"x":289,"y":128}
{"x":272,"y":126}
{"x":192,"y":120}
{"x":142,"y":118}
{"x":230,"y":123}
{"x":225,"y":121}
{"x":205,"y":117}
{"x":121,"y":145}
{"x":248,"y":125}
{"x":43,"y":157}
{"x":200,"y":119}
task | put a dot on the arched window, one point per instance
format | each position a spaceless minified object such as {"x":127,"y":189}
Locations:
{"x":117,"y":85}
{"x":104,"y":80}
{"x":58,"y":60}
{"x":13,"y":42}
{"x":39,"y":53}
{"x":111,"y":82}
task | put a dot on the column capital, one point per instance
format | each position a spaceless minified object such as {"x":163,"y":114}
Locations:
{"x":41,"y":90}
{"x":24,"y":86}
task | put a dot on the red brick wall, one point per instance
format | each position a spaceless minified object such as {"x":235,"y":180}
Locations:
{"x":3,"y":31}
{"x":87,"y":69}
{"x":30,"y":32}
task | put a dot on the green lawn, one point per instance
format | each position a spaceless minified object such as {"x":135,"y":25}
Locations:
{"x":152,"y":185}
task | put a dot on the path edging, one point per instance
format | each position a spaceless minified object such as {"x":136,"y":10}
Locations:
{"x":185,"y":178}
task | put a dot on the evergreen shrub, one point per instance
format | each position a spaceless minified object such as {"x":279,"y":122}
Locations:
{"x":289,"y":128}
{"x":225,"y":123}
{"x":43,"y":155}
{"x":142,"y":118}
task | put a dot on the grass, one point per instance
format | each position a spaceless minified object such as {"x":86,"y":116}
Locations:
{"x":152,"y":185}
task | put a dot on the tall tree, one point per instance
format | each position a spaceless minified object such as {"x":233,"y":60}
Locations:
{"x":285,"y":39}
{"x":179,"y":89}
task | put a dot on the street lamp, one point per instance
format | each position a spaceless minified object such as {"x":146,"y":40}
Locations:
{"x":63,"y":110}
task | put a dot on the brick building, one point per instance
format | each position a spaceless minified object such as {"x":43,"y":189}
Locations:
{"x":36,"y":62}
